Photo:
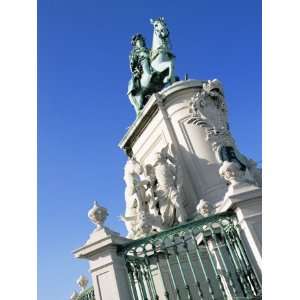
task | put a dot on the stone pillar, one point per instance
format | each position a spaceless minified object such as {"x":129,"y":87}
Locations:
{"x":108,"y":270}
{"x":245,"y":200}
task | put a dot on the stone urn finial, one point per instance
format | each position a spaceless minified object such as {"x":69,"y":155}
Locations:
{"x":74,"y":296}
{"x":98,"y":215}
{"x":82,"y":281}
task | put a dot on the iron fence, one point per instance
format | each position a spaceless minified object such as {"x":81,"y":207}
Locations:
{"x":202,"y":259}
{"x":88,"y":294}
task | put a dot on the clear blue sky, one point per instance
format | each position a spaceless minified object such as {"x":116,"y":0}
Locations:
{"x":83,"y":110}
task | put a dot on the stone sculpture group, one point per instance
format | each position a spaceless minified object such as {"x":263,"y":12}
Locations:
{"x":153,"y":195}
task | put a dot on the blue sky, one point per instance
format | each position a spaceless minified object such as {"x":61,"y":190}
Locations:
{"x":83,"y":110}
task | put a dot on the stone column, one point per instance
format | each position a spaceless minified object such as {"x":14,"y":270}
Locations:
{"x":108,"y":270}
{"x":245,"y":200}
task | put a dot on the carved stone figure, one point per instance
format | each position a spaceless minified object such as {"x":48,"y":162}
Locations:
{"x":168,"y":190}
{"x":98,"y":215}
{"x":203,"y":208}
{"x":151,"y":191}
{"x":82,"y":281}
{"x":143,"y":225}
{"x":232,"y":172}
{"x":135,"y":198}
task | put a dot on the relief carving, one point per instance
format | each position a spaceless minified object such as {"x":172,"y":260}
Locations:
{"x":153,"y":195}
{"x":208,"y":110}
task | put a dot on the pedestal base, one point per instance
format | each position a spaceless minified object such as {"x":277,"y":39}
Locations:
{"x":108,"y":270}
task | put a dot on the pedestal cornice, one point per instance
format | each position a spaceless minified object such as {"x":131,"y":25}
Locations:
{"x":244,"y":194}
{"x":151,"y":108}
{"x":101,"y":239}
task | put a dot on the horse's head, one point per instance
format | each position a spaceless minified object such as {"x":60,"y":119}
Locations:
{"x":160,"y":27}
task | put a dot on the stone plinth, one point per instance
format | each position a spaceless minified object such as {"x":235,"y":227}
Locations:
{"x":165,"y":120}
{"x":108,"y":270}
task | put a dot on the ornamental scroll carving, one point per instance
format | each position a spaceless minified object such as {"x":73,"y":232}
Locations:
{"x":208,"y":110}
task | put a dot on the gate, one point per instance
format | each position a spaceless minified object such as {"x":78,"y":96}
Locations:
{"x":203,"y":259}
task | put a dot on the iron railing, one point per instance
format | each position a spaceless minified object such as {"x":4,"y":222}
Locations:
{"x":88,"y":294}
{"x":202,"y":259}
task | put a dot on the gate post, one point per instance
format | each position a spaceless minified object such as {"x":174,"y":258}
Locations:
{"x":108,"y":269}
{"x":246,"y":202}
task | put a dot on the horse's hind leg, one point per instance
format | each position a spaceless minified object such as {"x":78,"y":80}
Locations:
{"x":170,"y":77}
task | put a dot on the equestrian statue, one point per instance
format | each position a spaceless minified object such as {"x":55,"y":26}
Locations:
{"x":151,"y":69}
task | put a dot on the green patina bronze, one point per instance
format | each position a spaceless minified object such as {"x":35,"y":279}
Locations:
{"x":88,"y":294}
{"x":151,"y":69}
{"x":201,"y":259}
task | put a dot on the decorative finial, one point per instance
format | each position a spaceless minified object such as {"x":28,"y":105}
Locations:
{"x":82,"y":281}
{"x":98,"y":215}
{"x":74,"y":296}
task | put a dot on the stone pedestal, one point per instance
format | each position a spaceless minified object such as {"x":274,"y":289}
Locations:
{"x":108,"y":270}
{"x":189,"y":119}
{"x":245,"y":200}
{"x":166,"y":120}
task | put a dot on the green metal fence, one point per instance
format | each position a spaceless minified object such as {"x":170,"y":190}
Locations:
{"x":88,"y":294}
{"x":202,"y":259}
